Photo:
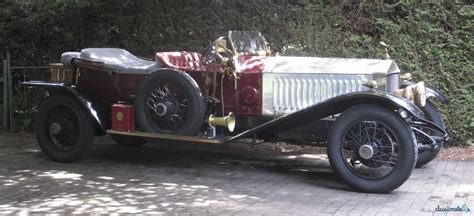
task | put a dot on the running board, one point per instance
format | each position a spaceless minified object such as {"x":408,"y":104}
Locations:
{"x":168,"y":137}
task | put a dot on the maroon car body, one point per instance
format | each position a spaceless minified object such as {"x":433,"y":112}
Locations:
{"x":245,"y":100}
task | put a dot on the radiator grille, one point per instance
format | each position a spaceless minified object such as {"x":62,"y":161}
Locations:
{"x":284,"y":94}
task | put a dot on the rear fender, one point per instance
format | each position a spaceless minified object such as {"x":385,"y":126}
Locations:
{"x":95,"y":109}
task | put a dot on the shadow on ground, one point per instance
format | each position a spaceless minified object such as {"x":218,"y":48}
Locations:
{"x":158,"y":179}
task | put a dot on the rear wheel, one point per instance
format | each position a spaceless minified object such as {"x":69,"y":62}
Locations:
{"x":63,"y":129}
{"x":431,"y":114}
{"x":372,"y":148}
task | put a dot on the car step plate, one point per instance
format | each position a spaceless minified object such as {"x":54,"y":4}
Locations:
{"x":168,"y":137}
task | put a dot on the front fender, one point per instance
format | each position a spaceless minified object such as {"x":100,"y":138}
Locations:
{"x":334,"y":106}
{"x":430,"y":93}
{"x":93,"y":108}
{"x":433,"y":93}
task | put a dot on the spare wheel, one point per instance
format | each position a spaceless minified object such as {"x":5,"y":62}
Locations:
{"x":169,"y":102}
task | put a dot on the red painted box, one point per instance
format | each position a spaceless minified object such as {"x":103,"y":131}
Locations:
{"x":123,"y":118}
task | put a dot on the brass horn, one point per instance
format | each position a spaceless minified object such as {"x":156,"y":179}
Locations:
{"x":227,"y":121}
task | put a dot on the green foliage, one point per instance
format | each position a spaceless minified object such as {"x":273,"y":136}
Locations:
{"x":432,"y":41}
{"x":436,"y":46}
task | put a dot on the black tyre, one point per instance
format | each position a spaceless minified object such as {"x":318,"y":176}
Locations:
{"x":169,"y":102}
{"x":372,"y":148}
{"x":128,"y":141}
{"x":431,"y":114}
{"x":63,"y":129}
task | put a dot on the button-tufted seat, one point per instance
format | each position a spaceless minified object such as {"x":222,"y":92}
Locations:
{"x":186,"y":61}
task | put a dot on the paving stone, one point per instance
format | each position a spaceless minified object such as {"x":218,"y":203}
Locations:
{"x":204,"y":181}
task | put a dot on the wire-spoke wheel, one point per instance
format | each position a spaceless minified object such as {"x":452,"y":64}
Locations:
{"x":167,"y":106}
{"x":63,"y":129}
{"x":169,"y":102}
{"x":372,"y":148}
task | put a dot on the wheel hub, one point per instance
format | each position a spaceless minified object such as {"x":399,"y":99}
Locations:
{"x":55,"y":128}
{"x":165,"y":108}
{"x":161,"y":109}
{"x":366,"y":152}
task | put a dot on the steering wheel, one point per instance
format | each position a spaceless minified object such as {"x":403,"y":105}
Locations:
{"x":209,"y":55}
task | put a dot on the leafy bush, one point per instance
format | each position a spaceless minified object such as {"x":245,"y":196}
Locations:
{"x":432,"y":41}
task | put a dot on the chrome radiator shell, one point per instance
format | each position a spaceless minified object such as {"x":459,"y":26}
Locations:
{"x":290,"y":84}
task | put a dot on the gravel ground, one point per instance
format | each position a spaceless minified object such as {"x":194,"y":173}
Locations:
{"x":456,"y":153}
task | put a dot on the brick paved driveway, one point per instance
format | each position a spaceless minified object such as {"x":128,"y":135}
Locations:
{"x":202,"y":180}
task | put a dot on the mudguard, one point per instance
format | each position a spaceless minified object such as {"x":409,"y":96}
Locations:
{"x":93,"y":108}
{"x":433,"y":93}
{"x":430,"y":92}
{"x":334,"y":106}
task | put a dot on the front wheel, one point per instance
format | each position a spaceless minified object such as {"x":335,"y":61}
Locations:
{"x":63,"y":129}
{"x":372,"y":148}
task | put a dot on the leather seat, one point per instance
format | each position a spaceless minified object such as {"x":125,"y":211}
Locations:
{"x":186,"y":61}
{"x":118,"y":60}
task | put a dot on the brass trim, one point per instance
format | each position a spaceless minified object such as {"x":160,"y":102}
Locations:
{"x":224,"y":61}
{"x":371,"y":84}
{"x":221,"y":45}
{"x":119,"y":116}
{"x":232,"y":47}
{"x":226,"y":121}
{"x":168,"y":137}
{"x":406,"y":77}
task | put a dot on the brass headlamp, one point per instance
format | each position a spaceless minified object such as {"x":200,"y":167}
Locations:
{"x":415,"y":93}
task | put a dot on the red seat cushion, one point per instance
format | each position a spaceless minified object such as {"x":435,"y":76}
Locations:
{"x":187,"y":61}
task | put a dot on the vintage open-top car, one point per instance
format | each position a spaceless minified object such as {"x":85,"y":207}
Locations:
{"x":377,"y":125}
